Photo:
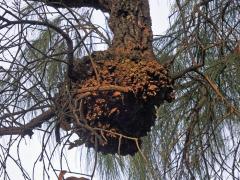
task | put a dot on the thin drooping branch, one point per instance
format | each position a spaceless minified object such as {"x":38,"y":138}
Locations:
{"x":69,"y":42}
{"x":129,"y":21}
{"x":27,"y":128}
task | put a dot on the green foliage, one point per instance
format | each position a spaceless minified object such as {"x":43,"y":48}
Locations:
{"x":195,"y":137}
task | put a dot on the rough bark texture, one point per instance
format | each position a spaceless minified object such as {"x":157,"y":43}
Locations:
{"x":131,"y":25}
{"x":112,"y":100}
{"x":129,"y":21}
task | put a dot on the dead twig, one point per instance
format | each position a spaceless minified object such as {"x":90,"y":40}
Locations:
{"x":219,"y":94}
{"x":104,"y":88}
{"x":127,"y":137}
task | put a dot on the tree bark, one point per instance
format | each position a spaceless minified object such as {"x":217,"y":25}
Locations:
{"x":102,"y":5}
{"x":28,"y":128}
{"x":129,"y":21}
{"x":131,"y":25}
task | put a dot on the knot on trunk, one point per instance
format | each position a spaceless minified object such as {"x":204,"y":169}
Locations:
{"x":112,"y":112}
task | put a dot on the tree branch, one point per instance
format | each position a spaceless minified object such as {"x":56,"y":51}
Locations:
{"x":185,"y":71}
{"x":69,"y":42}
{"x":27,"y":129}
{"x":103,"y":5}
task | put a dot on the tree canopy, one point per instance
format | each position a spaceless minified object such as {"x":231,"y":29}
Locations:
{"x":179,"y":91}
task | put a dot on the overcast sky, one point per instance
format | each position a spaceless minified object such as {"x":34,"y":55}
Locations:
{"x":32,"y":148}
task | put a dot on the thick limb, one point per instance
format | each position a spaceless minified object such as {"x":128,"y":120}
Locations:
{"x":102,"y":5}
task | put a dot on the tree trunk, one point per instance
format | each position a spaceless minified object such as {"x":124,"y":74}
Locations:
{"x":129,"y":21}
{"x":113,"y":92}
{"x":131,"y":25}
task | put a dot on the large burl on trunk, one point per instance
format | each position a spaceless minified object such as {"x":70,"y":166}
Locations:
{"x":110,"y":99}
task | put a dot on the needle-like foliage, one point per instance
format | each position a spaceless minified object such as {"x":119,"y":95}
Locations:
{"x":196,"y":136}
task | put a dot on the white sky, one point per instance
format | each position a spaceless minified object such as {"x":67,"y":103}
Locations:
{"x":29,"y":152}
{"x":160,"y":10}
